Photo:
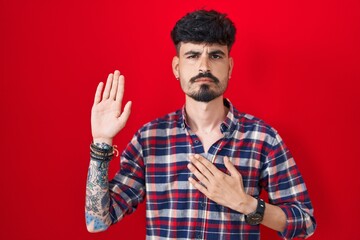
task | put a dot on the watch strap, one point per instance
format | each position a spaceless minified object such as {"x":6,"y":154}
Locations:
{"x":261,"y":206}
{"x":256,"y":217}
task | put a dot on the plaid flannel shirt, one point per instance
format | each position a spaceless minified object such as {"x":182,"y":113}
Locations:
{"x":154,"y":164}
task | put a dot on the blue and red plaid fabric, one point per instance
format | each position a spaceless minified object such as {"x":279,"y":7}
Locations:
{"x":154,"y":165}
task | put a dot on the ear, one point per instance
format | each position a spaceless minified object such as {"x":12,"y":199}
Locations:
{"x":231,"y":65}
{"x":175,"y":66}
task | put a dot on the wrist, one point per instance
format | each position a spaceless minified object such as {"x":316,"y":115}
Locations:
{"x":248,"y":205}
{"x":256,"y":217}
{"x":102,"y":152}
{"x":108,"y":141}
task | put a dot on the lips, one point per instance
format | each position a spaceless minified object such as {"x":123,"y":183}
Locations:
{"x":204,"y":79}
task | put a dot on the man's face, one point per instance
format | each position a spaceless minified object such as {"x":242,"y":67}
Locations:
{"x":203,"y":70}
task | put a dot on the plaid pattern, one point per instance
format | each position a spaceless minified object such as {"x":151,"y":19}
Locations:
{"x":154,"y":164}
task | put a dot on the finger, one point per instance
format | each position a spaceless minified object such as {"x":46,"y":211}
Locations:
{"x":126,"y":113}
{"x":198,"y":174}
{"x":116,"y":74}
{"x":230,"y":167}
{"x":99,"y":88}
{"x":207,"y":164}
{"x":114,"y":87}
{"x":198,"y":186}
{"x":210,"y":166}
{"x":196,"y":160}
{"x":120,"y":89}
{"x":106,"y":92}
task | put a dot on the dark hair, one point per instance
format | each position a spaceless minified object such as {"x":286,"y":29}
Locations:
{"x":204,"y":26}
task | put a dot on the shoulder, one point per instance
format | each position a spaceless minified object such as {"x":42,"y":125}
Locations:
{"x":255,"y":127}
{"x":250,"y":122}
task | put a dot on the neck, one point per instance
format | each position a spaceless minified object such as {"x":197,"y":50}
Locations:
{"x":205,"y":117}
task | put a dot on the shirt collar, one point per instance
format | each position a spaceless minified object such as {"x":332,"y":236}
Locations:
{"x":226,"y":127}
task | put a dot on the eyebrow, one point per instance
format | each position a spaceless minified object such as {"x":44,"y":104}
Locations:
{"x":218,"y":52}
{"x":192,"y":52}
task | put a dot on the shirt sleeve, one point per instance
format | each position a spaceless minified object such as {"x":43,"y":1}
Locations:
{"x":127,"y":188}
{"x":282,"y":180}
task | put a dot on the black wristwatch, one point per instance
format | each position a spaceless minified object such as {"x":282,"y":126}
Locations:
{"x":256,"y":217}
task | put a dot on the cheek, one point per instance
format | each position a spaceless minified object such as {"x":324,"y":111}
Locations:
{"x":187,"y":73}
{"x":187,"y":68}
{"x":183,"y":85}
{"x":224,"y":72}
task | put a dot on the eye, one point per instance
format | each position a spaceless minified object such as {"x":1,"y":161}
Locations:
{"x":192,"y":56}
{"x":216,"y":56}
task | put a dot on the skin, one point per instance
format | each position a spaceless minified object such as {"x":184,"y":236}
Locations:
{"x":106,"y":121}
{"x":97,"y":197}
{"x":195,"y":58}
{"x":204,"y":119}
{"x":106,"y":116}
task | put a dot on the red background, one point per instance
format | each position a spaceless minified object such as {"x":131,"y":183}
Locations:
{"x":296,"y":67}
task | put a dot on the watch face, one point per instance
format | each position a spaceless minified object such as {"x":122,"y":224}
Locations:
{"x":254,"y":218}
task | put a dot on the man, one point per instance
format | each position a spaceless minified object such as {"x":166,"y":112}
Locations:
{"x":201,"y":168}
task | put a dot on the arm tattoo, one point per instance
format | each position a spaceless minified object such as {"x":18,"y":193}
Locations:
{"x":97,"y":196}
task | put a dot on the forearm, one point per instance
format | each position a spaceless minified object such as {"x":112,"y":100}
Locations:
{"x":286,"y":190}
{"x":97,"y":197}
{"x":274,"y":218}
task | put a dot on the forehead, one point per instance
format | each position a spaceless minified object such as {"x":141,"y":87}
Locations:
{"x":201,"y":47}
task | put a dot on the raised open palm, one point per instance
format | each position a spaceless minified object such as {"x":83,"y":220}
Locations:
{"x":106,"y":116}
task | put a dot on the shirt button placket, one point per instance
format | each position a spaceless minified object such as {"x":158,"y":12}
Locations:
{"x":199,"y":231}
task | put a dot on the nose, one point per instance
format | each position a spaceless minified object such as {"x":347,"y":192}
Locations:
{"x":204,"y":64}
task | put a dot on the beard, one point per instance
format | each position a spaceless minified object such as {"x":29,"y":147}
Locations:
{"x":204,"y":94}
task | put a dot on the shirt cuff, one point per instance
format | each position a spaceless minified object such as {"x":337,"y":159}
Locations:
{"x":296,"y":223}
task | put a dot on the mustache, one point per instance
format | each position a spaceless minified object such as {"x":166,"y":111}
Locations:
{"x":204,"y":75}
